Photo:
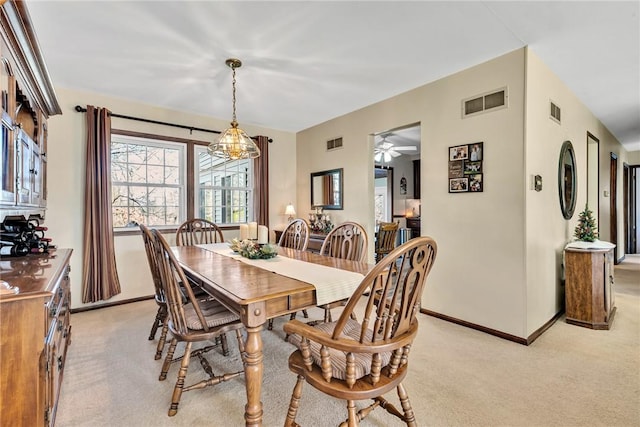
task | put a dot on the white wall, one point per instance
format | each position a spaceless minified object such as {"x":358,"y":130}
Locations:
{"x":66,"y":170}
{"x":499,"y":251}
{"x":547,"y":230}
{"x":479,"y":274}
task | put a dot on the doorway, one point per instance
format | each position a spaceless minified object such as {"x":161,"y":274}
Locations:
{"x":613,"y":203}
{"x":383,"y":193}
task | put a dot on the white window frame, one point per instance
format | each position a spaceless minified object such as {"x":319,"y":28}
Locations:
{"x":150,"y":142}
{"x":232,"y":166}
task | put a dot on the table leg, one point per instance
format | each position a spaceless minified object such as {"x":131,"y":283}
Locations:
{"x":253,"y":368}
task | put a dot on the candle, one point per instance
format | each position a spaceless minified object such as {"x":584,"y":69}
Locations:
{"x":263,"y":234}
{"x":253,"y":231}
{"x":244,"y":231}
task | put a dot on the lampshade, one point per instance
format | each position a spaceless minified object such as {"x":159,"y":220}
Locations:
{"x":234,"y":143}
{"x":289,"y":210}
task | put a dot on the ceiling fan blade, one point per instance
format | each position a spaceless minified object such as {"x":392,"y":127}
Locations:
{"x":394,"y":153}
{"x":406,"y":148}
{"x":385,"y":145}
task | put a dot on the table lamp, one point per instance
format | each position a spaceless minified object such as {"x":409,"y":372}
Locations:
{"x":289,"y":210}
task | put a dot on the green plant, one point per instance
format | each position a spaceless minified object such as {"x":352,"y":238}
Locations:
{"x":587,"y":229}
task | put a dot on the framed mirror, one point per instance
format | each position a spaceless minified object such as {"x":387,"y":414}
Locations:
{"x":326,"y":189}
{"x":567,"y":182}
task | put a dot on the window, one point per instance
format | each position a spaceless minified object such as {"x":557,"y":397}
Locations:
{"x":150,"y":186}
{"x":224,"y":190}
{"x":148,"y":182}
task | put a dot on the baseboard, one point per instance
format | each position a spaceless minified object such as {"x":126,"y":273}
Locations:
{"x":524,"y":341}
{"x":110,"y":304}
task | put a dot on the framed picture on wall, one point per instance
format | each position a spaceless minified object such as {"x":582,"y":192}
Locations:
{"x":466,"y":168}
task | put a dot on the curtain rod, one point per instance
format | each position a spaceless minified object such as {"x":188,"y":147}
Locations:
{"x":80,"y":109}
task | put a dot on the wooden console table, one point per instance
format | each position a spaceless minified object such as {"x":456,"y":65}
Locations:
{"x":315,"y":240}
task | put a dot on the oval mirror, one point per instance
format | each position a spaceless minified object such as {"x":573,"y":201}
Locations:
{"x":567,"y":182}
{"x":326,"y":189}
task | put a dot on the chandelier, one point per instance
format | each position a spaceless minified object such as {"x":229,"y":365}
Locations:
{"x":234,"y":143}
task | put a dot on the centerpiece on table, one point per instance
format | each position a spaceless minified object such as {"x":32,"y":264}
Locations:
{"x":253,"y":250}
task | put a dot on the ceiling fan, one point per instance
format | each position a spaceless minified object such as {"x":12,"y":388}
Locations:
{"x":385,"y":150}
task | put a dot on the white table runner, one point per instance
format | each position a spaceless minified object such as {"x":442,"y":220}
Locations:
{"x":332,"y":284}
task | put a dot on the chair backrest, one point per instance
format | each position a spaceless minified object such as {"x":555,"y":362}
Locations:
{"x":295,"y":235}
{"x":347,"y":241}
{"x":171,"y":275}
{"x":149,"y":247}
{"x":198,"y":231}
{"x":386,"y":237}
{"x":394,"y":289}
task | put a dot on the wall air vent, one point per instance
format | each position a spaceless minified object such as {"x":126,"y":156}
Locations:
{"x":489,"y":101}
{"x":554,"y":113}
{"x":334,"y":144}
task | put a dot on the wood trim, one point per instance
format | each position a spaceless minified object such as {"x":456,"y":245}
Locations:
{"x":21,"y":39}
{"x":525,"y":341}
{"x":613,"y":203}
{"x":111,"y":304}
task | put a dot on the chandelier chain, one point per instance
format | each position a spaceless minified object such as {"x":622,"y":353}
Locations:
{"x":233,"y":83}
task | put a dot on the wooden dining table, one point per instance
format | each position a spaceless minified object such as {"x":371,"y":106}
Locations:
{"x":257,"y":295}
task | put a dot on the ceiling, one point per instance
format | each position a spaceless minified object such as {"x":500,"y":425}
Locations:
{"x":307,"y":62}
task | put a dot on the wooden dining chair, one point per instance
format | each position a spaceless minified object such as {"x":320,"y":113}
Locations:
{"x":160,"y":320}
{"x":295,"y":236}
{"x":198,"y":231}
{"x":361,"y":360}
{"x":385,"y":239}
{"x":191,"y":323}
{"x":347,"y":241}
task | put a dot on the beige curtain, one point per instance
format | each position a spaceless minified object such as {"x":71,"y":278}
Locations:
{"x":261,"y":182}
{"x":100,"y":278}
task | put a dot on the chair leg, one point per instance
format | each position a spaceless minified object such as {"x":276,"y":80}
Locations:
{"x":160,"y":317}
{"x":182,"y":373}
{"x":162,"y":341}
{"x":305,"y":314}
{"x":241,"y":345}
{"x":225,"y":346}
{"x":352,"y":421}
{"x":270,"y":326}
{"x":409,"y":416}
{"x":327,"y":315}
{"x":290,"y":421}
{"x":167,"y":360}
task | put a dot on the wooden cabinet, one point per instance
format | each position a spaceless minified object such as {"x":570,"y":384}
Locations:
{"x":27,"y":101}
{"x":589,"y":287}
{"x":34,"y":332}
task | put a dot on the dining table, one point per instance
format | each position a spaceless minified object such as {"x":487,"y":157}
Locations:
{"x":262,"y":289}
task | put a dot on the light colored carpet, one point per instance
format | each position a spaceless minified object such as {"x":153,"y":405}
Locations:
{"x":570,"y":376}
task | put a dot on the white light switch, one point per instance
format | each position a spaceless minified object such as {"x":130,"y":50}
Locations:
{"x":606,"y":193}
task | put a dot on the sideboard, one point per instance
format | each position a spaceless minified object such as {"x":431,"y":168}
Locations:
{"x":35,"y":332}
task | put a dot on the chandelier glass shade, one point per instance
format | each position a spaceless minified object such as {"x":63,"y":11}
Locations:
{"x":234,"y":143}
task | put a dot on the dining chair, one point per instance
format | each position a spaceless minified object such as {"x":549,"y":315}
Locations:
{"x":191,"y":323}
{"x":295,"y":236}
{"x":198,"y":231}
{"x":385,"y":239}
{"x":356,"y":360}
{"x":347,"y":241}
{"x":162,"y":313}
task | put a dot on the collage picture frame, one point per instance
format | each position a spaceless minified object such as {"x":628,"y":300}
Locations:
{"x":466,"y":169}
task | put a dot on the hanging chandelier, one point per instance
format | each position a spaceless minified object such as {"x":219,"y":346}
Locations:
{"x":234,"y":143}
